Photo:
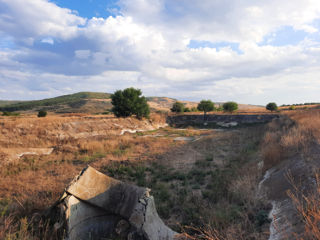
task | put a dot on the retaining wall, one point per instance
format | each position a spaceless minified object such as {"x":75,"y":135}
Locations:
{"x":220,"y":120}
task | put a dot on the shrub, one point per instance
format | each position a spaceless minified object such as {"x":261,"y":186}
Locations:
{"x":129,"y":102}
{"x":292,"y":107}
{"x":187,"y":109}
{"x":308,"y":207}
{"x":219,"y":109}
{"x":177,"y":107}
{"x":272,"y":106}
{"x":194,"y":109}
{"x":42,"y":113}
{"x":230,"y":106}
{"x":10,"y":114}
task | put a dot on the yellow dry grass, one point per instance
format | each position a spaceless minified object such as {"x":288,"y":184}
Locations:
{"x":297,"y":132}
{"x":308,"y":205}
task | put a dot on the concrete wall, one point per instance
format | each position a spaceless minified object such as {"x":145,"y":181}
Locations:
{"x":213,"y":119}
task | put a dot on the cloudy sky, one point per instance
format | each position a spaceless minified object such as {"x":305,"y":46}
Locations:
{"x":249,"y":51}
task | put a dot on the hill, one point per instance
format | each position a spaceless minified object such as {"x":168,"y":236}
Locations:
{"x":78,"y":102}
{"x":165,"y":103}
{"x":96,"y":102}
{"x":5,"y":102}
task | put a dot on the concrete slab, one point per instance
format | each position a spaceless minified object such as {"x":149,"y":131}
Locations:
{"x":100,"y":207}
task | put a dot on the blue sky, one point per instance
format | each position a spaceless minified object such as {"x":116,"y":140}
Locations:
{"x":91,"y":8}
{"x":245,"y":51}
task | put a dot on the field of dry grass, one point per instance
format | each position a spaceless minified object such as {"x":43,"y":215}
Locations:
{"x":187,"y":177}
{"x":207,"y":187}
{"x":295,"y":138}
{"x":295,"y":132}
{"x":31,"y":181}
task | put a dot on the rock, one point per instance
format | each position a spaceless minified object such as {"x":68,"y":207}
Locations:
{"x":227,"y":124}
{"x":98,"y":206}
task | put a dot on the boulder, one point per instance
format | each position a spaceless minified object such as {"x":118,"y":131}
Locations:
{"x":97,"y":206}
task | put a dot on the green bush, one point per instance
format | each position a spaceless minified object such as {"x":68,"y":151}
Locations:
{"x":177,"y":107}
{"x":230,"y":106}
{"x":187,"y":109}
{"x":194,"y":109}
{"x":271,"y":106}
{"x":220,"y":109}
{"x":42,"y":113}
{"x":292,"y":107}
{"x":129,"y":102}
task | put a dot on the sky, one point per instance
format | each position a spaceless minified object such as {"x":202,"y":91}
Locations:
{"x":248,"y":51}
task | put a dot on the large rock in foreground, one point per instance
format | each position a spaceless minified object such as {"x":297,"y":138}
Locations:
{"x":99,"y":207}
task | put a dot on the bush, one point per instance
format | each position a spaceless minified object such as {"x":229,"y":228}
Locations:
{"x":272,"y":106}
{"x":187,"y":109}
{"x":129,"y":102}
{"x":177,"y":107}
{"x":194,"y":109}
{"x":230,"y":106}
{"x":205,"y":106}
{"x":42,"y":113}
{"x":219,"y":109}
{"x":292,"y":107}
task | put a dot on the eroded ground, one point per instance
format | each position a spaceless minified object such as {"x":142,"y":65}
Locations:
{"x":200,"y":178}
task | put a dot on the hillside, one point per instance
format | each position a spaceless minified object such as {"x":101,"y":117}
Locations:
{"x":85,"y":102}
{"x":82,"y":102}
{"x":5,"y":102}
{"x":165,"y":103}
{"x":96,"y":102}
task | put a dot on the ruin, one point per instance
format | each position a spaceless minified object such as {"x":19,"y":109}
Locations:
{"x":96,"y":206}
{"x":218,"y":120}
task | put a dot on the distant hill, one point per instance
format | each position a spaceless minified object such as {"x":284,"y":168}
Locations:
{"x":5,"y":102}
{"x":165,"y":103}
{"x":93,"y":102}
{"x":67,"y":103}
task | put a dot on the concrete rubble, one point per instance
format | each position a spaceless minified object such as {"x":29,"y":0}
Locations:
{"x":96,"y":206}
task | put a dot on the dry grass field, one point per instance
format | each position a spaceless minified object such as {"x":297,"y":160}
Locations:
{"x":205,"y":182}
{"x":296,"y":137}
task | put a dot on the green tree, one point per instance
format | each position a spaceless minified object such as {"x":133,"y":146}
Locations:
{"x":187,"y":109}
{"x":129,"y":102}
{"x":177,"y":107}
{"x":230,"y":106}
{"x":205,"y":106}
{"x":42,"y":113}
{"x":271,"y":106}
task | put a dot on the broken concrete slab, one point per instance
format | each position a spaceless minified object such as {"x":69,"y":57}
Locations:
{"x":100,"y":207}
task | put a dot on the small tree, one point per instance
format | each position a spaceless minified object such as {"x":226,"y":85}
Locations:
{"x":177,"y":107}
{"x":205,"y":106}
{"x":292,"y":107}
{"x":42,"y":113}
{"x":272,"y":106}
{"x":230,"y":106}
{"x":220,"y":108}
{"x":194,"y":109}
{"x":129,"y":102}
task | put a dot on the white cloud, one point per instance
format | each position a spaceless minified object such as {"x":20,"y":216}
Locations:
{"x":35,"y":18}
{"x":82,"y":54}
{"x":48,"y":40}
{"x":146,"y":47}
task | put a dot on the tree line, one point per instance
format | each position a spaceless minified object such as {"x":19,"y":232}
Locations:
{"x":205,"y":106}
{"x":130,"y":102}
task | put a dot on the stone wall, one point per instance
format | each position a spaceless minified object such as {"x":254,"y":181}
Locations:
{"x":219,"y":120}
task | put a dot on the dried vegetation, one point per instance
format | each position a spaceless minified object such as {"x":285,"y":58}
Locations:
{"x":207,"y":188}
